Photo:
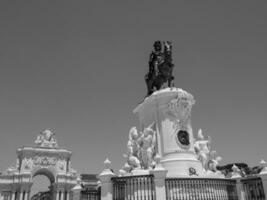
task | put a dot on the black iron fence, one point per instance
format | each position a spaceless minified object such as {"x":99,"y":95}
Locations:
{"x":200,"y":189}
{"x":91,"y":195}
{"x":134,"y":188}
{"x":253,"y":188}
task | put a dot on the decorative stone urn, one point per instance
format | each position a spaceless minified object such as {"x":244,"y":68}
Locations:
{"x":170,"y":110}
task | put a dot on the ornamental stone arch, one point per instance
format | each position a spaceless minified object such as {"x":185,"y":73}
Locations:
{"x":45,"y":158}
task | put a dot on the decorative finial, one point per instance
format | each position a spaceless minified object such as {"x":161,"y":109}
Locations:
{"x":107,"y":163}
{"x":157,"y":159}
{"x":107,"y":170}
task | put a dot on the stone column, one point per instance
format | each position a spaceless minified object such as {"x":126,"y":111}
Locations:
{"x":240,"y":189}
{"x":264,"y":182}
{"x":21,"y":195}
{"x":76,"y":190}
{"x":159,"y":179}
{"x":68,"y":195}
{"x":26,"y":195}
{"x":57,"y":195}
{"x":13,"y":195}
{"x":263,"y":176}
{"x":62,"y":195}
{"x":1,"y":196}
{"x":105,"y":178}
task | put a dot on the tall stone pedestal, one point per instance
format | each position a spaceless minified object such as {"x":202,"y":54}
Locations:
{"x":168,"y":111}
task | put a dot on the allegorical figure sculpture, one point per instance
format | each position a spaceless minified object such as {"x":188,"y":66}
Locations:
{"x":46,"y":139}
{"x":202,"y":148}
{"x":141,"y":150}
{"x":208,"y":158}
{"x":133,"y":148}
{"x":148,"y":145}
{"x":160,"y":67}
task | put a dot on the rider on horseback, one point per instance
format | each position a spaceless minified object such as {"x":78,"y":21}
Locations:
{"x":160,"y":67}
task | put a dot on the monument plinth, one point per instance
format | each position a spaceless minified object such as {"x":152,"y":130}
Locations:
{"x":168,"y":111}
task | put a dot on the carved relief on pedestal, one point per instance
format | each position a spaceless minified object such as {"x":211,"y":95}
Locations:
{"x":27,"y":164}
{"x":61,"y":165}
{"x":179,"y":112}
{"x":181,"y":106}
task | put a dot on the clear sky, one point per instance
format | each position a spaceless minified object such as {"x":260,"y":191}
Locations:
{"x":77,"y":67}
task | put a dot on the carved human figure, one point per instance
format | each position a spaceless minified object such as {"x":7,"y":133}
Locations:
{"x":160,"y":67}
{"x":133,"y":148}
{"x":202,"y":148}
{"x":148,"y":143}
{"x":39,"y":140}
{"x":213,"y":163}
{"x":46,"y":139}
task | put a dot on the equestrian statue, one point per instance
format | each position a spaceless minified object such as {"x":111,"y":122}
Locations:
{"x":160,"y":67}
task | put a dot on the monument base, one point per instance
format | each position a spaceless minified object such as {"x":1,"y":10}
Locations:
{"x":182,"y":165}
{"x":169,"y":110}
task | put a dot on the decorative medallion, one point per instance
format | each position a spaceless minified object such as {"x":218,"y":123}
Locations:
{"x":183,"y":137}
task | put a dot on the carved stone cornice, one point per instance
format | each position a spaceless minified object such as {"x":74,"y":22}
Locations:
{"x":33,"y":151}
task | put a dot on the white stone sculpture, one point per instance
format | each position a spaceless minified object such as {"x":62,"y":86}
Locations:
{"x":148,"y":144}
{"x":46,"y":139}
{"x":213,"y":163}
{"x":126,"y":170}
{"x":141,"y":150}
{"x":182,"y":105}
{"x":202,"y":148}
{"x":236,"y":172}
{"x":208,"y":158}
{"x":133,"y":149}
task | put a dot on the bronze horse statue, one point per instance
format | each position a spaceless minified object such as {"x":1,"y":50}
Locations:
{"x":160,"y":68}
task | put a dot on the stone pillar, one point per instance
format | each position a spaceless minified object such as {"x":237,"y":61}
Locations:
{"x":26,"y":196}
{"x":240,"y":189}
{"x":264,"y":182}
{"x":105,"y":179}
{"x":68,"y":195}
{"x":13,"y":195}
{"x":159,"y":179}
{"x":263,"y":176}
{"x":21,"y":195}
{"x":57,"y":195}
{"x":63,"y":195}
{"x":76,"y":190}
{"x":1,"y":196}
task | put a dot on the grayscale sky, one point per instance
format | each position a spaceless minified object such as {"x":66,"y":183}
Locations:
{"x":77,"y":67}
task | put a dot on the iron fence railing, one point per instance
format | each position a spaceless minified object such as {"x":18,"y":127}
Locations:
{"x":200,"y":189}
{"x":134,"y":188}
{"x":253,"y":188}
{"x":91,"y":195}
